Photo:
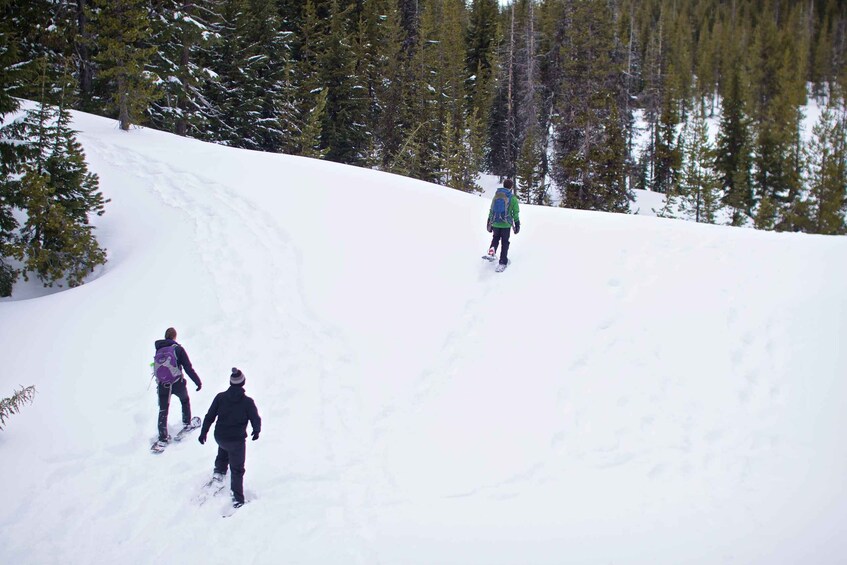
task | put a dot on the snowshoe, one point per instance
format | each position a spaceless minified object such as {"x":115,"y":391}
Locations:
{"x":192,"y":425}
{"x":159,"y":446}
{"x":501,"y":267}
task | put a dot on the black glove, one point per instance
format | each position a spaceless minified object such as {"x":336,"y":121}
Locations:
{"x":255,"y":436}
{"x":202,"y":439}
{"x":517,"y":229}
{"x":488,"y":226}
{"x":200,"y":385}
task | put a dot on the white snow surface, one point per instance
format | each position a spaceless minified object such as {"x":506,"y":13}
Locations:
{"x":629,"y":390}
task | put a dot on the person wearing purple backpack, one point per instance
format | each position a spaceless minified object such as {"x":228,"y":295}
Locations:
{"x":170,"y":381}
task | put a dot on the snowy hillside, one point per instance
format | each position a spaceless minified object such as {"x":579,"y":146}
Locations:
{"x":630,"y":390}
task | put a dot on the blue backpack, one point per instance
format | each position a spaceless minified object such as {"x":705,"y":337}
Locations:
{"x":166,"y":366}
{"x":500,"y":206}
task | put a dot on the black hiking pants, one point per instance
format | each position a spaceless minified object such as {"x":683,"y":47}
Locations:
{"x":501,"y":234}
{"x":165,"y":391}
{"x":232,"y":454}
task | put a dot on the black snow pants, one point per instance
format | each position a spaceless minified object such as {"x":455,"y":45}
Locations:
{"x":232,"y":454}
{"x":165,"y":391}
{"x":502,"y":234}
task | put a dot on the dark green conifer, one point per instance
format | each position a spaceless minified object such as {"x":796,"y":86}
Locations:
{"x":826,"y":157}
{"x":11,"y":150}
{"x":590,"y":137}
{"x":124,"y":51}
{"x":381,"y":65}
{"x":699,"y":186}
{"x":733,"y":159}
{"x":183,"y":30}
{"x":59,"y":194}
{"x":344,"y":133}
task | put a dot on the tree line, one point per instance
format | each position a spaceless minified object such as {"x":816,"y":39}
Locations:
{"x":581,"y":101}
{"x":601,"y":97}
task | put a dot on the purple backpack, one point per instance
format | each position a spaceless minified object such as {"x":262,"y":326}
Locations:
{"x":165,"y":365}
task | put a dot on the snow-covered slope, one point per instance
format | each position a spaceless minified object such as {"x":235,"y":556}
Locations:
{"x":630,"y":390}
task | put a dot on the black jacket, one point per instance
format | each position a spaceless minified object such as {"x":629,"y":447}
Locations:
{"x":181,"y":358}
{"x":233,"y":409}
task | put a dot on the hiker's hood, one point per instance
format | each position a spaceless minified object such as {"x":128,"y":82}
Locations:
{"x":160,"y":343}
{"x":234,"y":393}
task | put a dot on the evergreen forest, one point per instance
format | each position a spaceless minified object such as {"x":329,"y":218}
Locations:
{"x":580,"y":101}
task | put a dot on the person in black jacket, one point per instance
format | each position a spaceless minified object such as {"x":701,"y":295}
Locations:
{"x":178,"y":388}
{"x":232,"y":409}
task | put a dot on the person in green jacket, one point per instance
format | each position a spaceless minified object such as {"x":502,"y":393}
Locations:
{"x":502,"y":216}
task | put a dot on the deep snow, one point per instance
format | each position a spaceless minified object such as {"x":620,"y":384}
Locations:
{"x":630,"y":390}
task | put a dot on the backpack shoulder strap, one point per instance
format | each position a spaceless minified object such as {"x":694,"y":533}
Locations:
{"x":177,"y":347}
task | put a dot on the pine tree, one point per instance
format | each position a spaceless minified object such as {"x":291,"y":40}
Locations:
{"x":821,"y":59}
{"x":381,"y":64}
{"x":779,"y":91}
{"x":450,"y":80}
{"x":435,"y":96}
{"x":529,"y":182}
{"x":39,"y":31}
{"x":733,"y":159}
{"x":309,"y":139}
{"x":504,"y":144}
{"x":528,"y":101}
{"x":776,"y":158}
{"x":183,"y":31}
{"x":13,"y":404}
{"x":450,"y":162}
{"x":124,"y":52}
{"x":11,"y":150}
{"x":706,"y":65}
{"x":797,"y":40}
{"x":615,"y":195}
{"x":549,"y":86}
{"x":680,"y":72}
{"x":406,"y":161}
{"x":56,"y":241}
{"x":839,"y":52}
{"x":699,"y":182}
{"x":54,"y":247}
{"x":40,"y":70}
{"x":826,"y":157}
{"x":266,"y":82}
{"x":224,"y":87}
{"x":344,"y":134}
{"x":667,"y":158}
{"x":474,"y":150}
{"x":590,"y":137}
{"x":421,"y":153}
{"x":36,"y":59}
{"x":659,"y":110}
{"x":83,"y":44}
{"x":766,"y":214}
{"x":482,"y":64}
{"x":481,"y":41}
{"x":632,"y":74}
{"x":310,"y":92}
{"x":289,"y":13}
{"x":329,"y":56}
{"x":250,"y":91}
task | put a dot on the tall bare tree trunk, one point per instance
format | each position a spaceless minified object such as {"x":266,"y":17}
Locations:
{"x":181,"y":127}
{"x":123,"y":104}
{"x":510,"y":114}
{"x":85,"y":71}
